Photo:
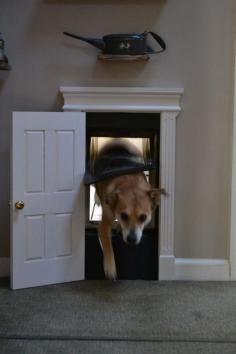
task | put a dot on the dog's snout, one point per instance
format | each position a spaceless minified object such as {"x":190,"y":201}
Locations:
{"x":131,"y":238}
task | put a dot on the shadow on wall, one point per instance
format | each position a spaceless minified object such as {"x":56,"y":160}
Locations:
{"x":3,"y":77}
{"x":1,"y":84}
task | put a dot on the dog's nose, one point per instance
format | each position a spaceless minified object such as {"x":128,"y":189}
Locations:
{"x":131,"y":238}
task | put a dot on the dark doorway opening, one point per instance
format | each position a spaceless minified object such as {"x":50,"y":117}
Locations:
{"x":133,"y":262}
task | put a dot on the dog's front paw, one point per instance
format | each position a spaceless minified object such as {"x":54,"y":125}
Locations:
{"x":110,"y":268}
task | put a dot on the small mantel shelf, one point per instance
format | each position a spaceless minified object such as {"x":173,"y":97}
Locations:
{"x":121,"y":99}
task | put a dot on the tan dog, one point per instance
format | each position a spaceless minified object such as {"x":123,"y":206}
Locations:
{"x":129,"y":199}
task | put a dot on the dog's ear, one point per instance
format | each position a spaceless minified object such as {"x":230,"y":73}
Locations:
{"x":154,"y":195}
{"x":111,"y":199}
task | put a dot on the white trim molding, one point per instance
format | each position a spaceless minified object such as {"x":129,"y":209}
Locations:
{"x":185,"y":269}
{"x":165,"y":102}
{"x":121,"y":99}
{"x":167,"y":181}
{"x":202,"y":269}
{"x":4,"y":267}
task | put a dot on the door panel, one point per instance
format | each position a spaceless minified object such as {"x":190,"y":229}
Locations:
{"x":65,"y":166}
{"x":63,"y":223}
{"x":34,"y":161}
{"x":48,"y":163}
{"x":34,"y":237}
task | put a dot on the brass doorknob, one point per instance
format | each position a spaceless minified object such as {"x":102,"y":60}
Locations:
{"x":19,"y":205}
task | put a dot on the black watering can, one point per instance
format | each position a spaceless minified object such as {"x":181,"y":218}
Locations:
{"x":124,"y":44}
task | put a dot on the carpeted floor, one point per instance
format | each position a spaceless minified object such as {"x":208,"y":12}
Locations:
{"x":119,"y":317}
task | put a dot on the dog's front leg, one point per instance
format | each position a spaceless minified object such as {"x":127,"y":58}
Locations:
{"x":109,"y":264}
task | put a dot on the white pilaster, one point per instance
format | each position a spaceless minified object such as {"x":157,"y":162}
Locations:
{"x":167,"y":181}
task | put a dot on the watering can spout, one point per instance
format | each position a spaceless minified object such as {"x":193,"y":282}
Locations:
{"x":96,"y":42}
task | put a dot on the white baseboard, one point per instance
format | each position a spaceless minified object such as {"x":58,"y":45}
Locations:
{"x":202,"y":269}
{"x":4,"y":267}
{"x":173,"y":269}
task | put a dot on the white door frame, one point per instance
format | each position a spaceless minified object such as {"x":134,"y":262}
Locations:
{"x":135,"y":99}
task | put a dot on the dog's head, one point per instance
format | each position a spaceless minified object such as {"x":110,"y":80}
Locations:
{"x":133,"y":209}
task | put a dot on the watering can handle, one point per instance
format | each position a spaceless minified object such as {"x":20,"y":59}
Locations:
{"x":159,"y":40}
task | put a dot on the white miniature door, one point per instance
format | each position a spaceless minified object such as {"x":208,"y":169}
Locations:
{"x":47,"y":198}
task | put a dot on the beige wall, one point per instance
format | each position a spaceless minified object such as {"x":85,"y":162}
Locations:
{"x":199,"y":58}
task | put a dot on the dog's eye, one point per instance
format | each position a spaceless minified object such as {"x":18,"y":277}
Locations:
{"x":142,"y":217}
{"x":124,"y":216}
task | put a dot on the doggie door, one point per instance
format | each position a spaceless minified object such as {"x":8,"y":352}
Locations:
{"x":47,"y":201}
{"x":142,"y":130}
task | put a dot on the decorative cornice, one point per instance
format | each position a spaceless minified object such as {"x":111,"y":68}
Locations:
{"x":121,"y":99}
